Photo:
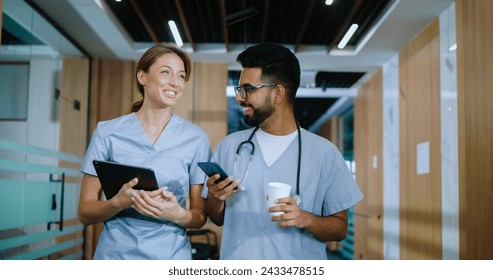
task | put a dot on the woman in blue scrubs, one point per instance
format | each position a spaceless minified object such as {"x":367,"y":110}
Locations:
{"x":149,"y":225}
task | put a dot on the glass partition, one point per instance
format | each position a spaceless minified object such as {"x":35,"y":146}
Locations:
{"x":36,"y":199}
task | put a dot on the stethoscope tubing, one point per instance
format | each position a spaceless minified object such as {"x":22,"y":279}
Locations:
{"x":252,"y":152}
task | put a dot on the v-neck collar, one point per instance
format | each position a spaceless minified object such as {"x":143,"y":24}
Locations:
{"x":283,"y":154}
{"x":143,"y":133}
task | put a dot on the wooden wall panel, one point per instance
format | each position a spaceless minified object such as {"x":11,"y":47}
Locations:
{"x":475,"y":100}
{"x":73,"y":122}
{"x":113,"y":89}
{"x":326,"y":130}
{"x":333,"y":130}
{"x":209,"y":99}
{"x":368,"y":141}
{"x":360,"y":155}
{"x":419,"y":105}
{"x":375,"y":144}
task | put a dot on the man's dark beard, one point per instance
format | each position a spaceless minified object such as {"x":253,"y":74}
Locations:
{"x":261,"y":113}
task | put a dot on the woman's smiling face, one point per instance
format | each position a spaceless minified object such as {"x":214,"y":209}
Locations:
{"x":164,"y":82}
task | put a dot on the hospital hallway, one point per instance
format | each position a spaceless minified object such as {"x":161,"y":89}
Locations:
{"x":402,"y":88}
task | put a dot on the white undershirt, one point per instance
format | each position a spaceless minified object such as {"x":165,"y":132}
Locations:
{"x":272,"y":146}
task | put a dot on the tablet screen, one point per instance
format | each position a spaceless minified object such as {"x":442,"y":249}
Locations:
{"x":114,"y":175}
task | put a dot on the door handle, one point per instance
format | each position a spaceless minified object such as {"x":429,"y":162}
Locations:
{"x":53,"y":201}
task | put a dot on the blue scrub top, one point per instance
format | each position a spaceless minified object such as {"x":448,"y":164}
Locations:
{"x":173,"y":158}
{"x":326,"y":187}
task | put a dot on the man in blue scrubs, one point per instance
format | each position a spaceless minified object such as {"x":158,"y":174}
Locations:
{"x":322,"y":186}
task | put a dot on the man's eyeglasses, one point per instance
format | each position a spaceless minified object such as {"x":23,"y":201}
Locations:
{"x":244,"y":90}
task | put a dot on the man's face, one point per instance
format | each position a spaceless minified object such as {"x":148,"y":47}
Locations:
{"x":257,"y":106}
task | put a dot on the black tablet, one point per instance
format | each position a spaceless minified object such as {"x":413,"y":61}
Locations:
{"x":114,"y":175}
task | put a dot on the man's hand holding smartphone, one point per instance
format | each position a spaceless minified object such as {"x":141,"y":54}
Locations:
{"x":213,"y":168}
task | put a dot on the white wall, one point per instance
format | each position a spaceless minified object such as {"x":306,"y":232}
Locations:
{"x":42,"y":125}
{"x":449,"y":136}
{"x":391,"y":159}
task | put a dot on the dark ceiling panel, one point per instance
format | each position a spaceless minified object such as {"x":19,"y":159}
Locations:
{"x":308,"y":22}
{"x":125,"y":14}
{"x":158,"y":13}
{"x":205,"y":20}
{"x":308,"y":110}
{"x":337,"y":79}
{"x":10,"y":39}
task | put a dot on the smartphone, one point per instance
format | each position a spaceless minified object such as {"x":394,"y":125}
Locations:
{"x":212,"y":168}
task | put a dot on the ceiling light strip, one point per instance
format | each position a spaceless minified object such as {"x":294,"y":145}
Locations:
{"x":176,"y":34}
{"x":348,"y":36}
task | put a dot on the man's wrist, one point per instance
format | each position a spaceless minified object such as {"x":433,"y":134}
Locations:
{"x":215,"y":202}
{"x":306,"y":219}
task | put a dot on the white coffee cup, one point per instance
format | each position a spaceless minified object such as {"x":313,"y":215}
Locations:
{"x":277,"y":190}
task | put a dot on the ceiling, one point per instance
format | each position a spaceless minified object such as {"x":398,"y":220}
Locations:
{"x":229,"y":22}
{"x":217,"y":30}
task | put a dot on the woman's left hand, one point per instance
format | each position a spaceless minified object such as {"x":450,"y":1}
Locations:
{"x":160,"y":204}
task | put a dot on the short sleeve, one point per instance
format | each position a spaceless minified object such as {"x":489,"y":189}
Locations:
{"x":342,"y":192}
{"x":96,"y":150}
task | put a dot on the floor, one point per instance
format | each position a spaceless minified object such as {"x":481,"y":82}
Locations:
{"x":334,"y":255}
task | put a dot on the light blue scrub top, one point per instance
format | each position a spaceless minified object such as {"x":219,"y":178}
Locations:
{"x":325,"y":183}
{"x":174,"y":159}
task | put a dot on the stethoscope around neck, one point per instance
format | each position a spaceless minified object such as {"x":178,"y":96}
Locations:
{"x":252,"y":152}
